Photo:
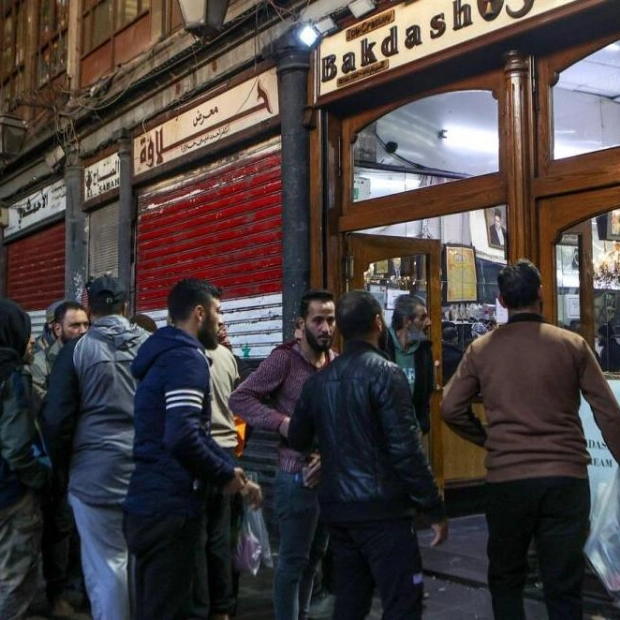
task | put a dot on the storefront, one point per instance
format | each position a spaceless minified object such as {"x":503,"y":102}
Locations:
{"x":453,"y":136}
{"x":210,"y":206}
{"x":34,"y":242}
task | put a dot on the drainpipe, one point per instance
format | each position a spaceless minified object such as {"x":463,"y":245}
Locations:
{"x":125,"y":215}
{"x":292,"y":64}
{"x":75,"y":229}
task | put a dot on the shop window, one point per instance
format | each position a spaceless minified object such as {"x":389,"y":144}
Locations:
{"x":52,"y":41}
{"x":472,"y":255}
{"x":13,"y":52}
{"x":586,"y":104}
{"x":436,"y":140}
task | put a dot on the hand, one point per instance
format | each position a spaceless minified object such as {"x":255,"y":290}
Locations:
{"x":236,"y":483}
{"x":312,"y":471}
{"x":441,"y":532}
{"x":253,"y":494}
{"x":283,"y":428}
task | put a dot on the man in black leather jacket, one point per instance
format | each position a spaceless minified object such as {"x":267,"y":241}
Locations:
{"x":375,"y":475}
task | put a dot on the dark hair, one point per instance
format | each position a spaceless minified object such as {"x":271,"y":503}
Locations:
{"x":313,"y":295}
{"x":62,"y":309}
{"x":100,"y":307}
{"x":405,"y":307}
{"x":355,"y":314}
{"x":187,"y":294}
{"x":519,"y":284}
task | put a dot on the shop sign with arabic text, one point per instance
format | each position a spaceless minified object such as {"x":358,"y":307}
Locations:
{"x":415,"y":30}
{"x":39,"y":206}
{"x":219,"y":117}
{"x":102,"y":177}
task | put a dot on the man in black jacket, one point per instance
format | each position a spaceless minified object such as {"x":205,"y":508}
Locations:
{"x":408,"y":345}
{"x":374,"y":472}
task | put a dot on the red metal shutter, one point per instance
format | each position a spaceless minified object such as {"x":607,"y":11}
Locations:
{"x":225,"y":226}
{"x":36,"y":268}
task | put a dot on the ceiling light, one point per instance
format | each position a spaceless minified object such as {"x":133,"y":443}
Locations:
{"x":12,"y":135}
{"x":359,"y":8}
{"x":308,"y":34}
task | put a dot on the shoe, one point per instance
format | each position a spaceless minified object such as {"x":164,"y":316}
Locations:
{"x":322,"y":606}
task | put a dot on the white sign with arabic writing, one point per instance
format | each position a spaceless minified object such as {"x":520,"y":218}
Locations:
{"x":415,"y":30}
{"x":234,"y":110}
{"x":103,"y":176}
{"x":39,"y":206}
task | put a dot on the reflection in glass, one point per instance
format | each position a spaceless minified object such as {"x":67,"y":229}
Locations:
{"x":586,"y":105}
{"x":436,"y":140}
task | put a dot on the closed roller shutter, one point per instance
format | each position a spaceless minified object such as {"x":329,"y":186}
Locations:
{"x":103,"y":241}
{"x":224,"y":225}
{"x":36,"y":268}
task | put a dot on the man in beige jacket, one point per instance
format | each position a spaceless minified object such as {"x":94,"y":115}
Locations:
{"x":531,"y":376}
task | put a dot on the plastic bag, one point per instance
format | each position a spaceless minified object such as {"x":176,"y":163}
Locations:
{"x":253,"y":548}
{"x":603,"y":545}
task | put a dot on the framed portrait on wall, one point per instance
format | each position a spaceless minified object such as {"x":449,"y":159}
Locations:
{"x":497,"y":233}
{"x":613,"y":225}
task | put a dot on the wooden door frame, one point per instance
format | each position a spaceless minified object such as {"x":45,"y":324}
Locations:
{"x":363,"y":249}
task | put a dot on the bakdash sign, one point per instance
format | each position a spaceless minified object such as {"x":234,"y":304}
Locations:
{"x":415,"y":30}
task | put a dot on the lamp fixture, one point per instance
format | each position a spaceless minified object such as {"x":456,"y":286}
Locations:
{"x":12,"y":136}
{"x":326,"y":25}
{"x":203,"y":18}
{"x":308,"y":34}
{"x":359,"y":8}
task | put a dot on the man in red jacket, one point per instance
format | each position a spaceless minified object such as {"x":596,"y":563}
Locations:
{"x":531,"y":375}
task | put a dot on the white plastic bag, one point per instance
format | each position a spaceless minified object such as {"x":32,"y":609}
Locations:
{"x":603,"y":545}
{"x":253,"y":548}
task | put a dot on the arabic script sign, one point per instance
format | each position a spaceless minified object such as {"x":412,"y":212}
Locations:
{"x":39,"y":206}
{"x":236,"y":109}
{"x":415,"y":30}
{"x":103,"y":176}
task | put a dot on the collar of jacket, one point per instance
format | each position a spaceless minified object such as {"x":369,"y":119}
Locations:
{"x":359,"y":346}
{"x":527,"y":316}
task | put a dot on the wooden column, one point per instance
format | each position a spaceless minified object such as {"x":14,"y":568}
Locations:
{"x":518,"y":157}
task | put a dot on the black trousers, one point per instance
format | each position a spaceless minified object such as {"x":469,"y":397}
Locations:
{"x":384,"y":553}
{"x":166,"y":551}
{"x":555,"y":512}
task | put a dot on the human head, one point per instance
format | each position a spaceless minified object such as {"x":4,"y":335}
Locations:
{"x":317,"y":320}
{"x":15,"y":338}
{"x":359,"y":316}
{"x":450,"y":334}
{"x":70,"y":321}
{"x":520,"y":285}
{"x":107,"y":295}
{"x":410,"y":313}
{"x":48,"y":333}
{"x":193,"y":306}
{"x":145,"y":322}
{"x":497,"y":217}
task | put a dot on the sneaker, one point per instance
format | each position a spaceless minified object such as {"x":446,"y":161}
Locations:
{"x":322,"y":606}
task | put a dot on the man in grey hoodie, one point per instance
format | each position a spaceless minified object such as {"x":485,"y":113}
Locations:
{"x":88,"y":422}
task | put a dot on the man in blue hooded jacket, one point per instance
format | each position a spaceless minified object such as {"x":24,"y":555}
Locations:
{"x":175,"y":456}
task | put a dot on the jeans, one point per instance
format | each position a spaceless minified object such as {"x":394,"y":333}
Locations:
{"x":166,"y":549}
{"x":104,"y":558}
{"x":301,"y":550}
{"x":555,"y":512}
{"x":384,"y":553}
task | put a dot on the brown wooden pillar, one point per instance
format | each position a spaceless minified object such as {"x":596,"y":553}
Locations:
{"x":518,"y":157}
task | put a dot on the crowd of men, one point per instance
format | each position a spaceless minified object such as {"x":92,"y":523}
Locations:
{"x":121,"y":442}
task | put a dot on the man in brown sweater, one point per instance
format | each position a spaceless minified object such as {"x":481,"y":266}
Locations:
{"x":531,"y":375}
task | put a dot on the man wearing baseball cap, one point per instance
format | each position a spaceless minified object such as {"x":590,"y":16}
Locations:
{"x":89,"y":428}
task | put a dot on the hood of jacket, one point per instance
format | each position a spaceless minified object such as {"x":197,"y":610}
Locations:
{"x":14,"y":336}
{"x":163,"y":340}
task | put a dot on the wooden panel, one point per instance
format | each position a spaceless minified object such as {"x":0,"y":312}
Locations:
{"x":97,"y":63}
{"x":132,"y":40}
{"x":224,"y":226}
{"x":36,"y":268}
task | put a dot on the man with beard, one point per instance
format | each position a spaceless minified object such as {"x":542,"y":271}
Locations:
{"x":408,"y":345}
{"x":176,"y":458}
{"x":280,"y":379}
{"x":88,"y":420}
{"x":375,"y":473}
{"x":22,"y":473}
{"x":70,"y":322}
